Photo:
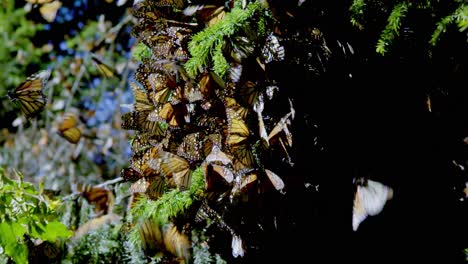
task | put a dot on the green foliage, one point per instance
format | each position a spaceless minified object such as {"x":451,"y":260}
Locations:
{"x":25,"y":213}
{"x":100,"y":246}
{"x":357,"y":13}
{"x":207,"y":46}
{"x":140,"y":52}
{"x":392,"y":28}
{"x":171,"y":204}
{"x":201,"y":250}
{"x":460,"y":16}
{"x":16,"y":48}
{"x":361,"y":15}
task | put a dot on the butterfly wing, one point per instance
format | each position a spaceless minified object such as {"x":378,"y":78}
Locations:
{"x":49,"y":10}
{"x":68,"y":130}
{"x":275,"y":180}
{"x":72,"y":135}
{"x":177,"y":168}
{"x":142,"y":102}
{"x":103,"y":68}
{"x":156,"y":188}
{"x":375,"y":196}
{"x":237,"y":138}
{"x":369,"y":200}
{"x":139,"y":121}
{"x":102,"y":199}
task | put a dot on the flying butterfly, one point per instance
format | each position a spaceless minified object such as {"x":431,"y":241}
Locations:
{"x":369,"y":199}
{"x":68,"y":129}
{"x":29,"y":94}
{"x":96,"y":223}
{"x":49,"y":10}
{"x":156,"y":238}
{"x":101,"y":198}
{"x":176,"y":242}
{"x":238,"y":138}
{"x":103,"y":68}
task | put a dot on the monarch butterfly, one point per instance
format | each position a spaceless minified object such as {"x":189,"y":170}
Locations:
{"x":139,"y":121}
{"x":176,"y":242}
{"x":29,"y":94}
{"x":192,"y":147}
{"x":101,"y":198}
{"x":151,"y":236}
{"x":142,"y":102}
{"x":176,"y":167}
{"x":103,"y":68}
{"x":164,"y":238}
{"x":162,"y":87}
{"x":68,"y":129}
{"x":369,"y":199}
{"x":238,"y":138}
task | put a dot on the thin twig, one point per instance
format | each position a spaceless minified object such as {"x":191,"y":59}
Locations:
{"x":109,"y":182}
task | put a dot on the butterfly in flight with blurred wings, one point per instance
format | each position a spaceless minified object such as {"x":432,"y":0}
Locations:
{"x":68,"y":129}
{"x":101,"y":198}
{"x":103,"y":68}
{"x":29,"y":94}
{"x":369,"y":200}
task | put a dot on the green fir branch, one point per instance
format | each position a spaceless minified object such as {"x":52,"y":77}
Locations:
{"x":206,"y":45}
{"x":393,"y":27}
{"x":357,"y":13}
{"x":460,"y":15}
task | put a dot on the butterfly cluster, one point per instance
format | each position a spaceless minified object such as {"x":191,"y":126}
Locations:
{"x":236,"y":128}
